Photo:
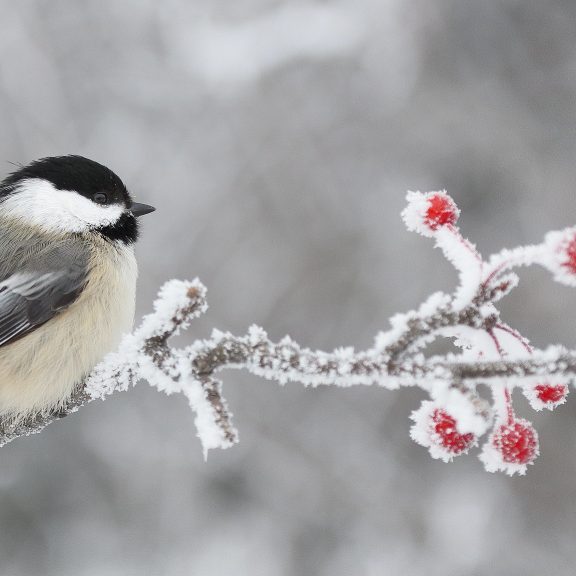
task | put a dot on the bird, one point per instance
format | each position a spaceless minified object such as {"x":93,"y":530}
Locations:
{"x":68,"y":274}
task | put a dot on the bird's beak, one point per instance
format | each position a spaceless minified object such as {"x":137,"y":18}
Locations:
{"x":140,"y":209}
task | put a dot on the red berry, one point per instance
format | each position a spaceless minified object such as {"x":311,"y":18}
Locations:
{"x":517,"y":442}
{"x":441,"y":211}
{"x":444,"y":427}
{"x":550,"y":394}
{"x":570,"y":253}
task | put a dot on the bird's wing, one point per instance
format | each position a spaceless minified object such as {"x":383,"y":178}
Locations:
{"x":47,"y":283}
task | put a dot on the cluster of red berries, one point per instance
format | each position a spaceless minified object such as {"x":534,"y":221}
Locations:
{"x":445,"y":429}
{"x":511,"y":446}
{"x":513,"y":443}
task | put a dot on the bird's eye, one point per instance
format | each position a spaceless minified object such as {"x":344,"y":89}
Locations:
{"x":100,"y":198}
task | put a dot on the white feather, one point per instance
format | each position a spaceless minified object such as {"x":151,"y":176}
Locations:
{"x":39,"y":203}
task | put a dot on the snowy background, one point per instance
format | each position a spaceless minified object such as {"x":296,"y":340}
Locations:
{"x":277,"y":139}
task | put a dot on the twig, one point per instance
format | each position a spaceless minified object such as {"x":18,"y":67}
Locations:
{"x":493,"y":353}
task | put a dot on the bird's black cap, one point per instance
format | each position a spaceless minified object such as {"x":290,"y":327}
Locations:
{"x":87,"y":178}
{"x":77,"y":173}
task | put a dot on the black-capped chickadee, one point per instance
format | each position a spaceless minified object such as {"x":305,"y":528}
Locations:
{"x":67,"y":278}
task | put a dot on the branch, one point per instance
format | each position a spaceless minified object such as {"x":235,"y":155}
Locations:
{"x":146,"y":354}
{"x":448,"y":425}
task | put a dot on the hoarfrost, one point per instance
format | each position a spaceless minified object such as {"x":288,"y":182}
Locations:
{"x":449,"y":424}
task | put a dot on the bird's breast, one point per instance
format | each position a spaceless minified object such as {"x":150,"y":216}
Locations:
{"x":39,"y":371}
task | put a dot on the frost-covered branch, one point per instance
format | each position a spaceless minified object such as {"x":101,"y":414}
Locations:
{"x":145,"y":354}
{"x":449,"y":424}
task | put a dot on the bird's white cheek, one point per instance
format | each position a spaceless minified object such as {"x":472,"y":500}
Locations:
{"x":37,"y":202}
{"x":81,"y":208}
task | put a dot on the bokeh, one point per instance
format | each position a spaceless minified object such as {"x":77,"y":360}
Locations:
{"x":277,"y":139}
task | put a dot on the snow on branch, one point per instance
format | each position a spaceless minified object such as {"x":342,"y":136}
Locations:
{"x":450,"y":423}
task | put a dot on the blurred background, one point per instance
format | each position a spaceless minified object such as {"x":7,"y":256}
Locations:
{"x":277,"y":139}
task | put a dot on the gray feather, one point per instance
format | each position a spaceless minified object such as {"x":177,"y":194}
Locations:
{"x":39,"y":277}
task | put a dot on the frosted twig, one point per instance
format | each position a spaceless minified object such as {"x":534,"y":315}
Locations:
{"x":449,"y":424}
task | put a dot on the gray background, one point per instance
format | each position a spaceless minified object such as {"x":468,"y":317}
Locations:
{"x":277,"y":139}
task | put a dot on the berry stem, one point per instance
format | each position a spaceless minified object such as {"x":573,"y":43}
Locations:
{"x":465,"y":242}
{"x":508,"y":259}
{"x":515,"y":334}
{"x":509,"y":410}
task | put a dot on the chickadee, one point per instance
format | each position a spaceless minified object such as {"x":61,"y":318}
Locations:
{"x":67,"y":278}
